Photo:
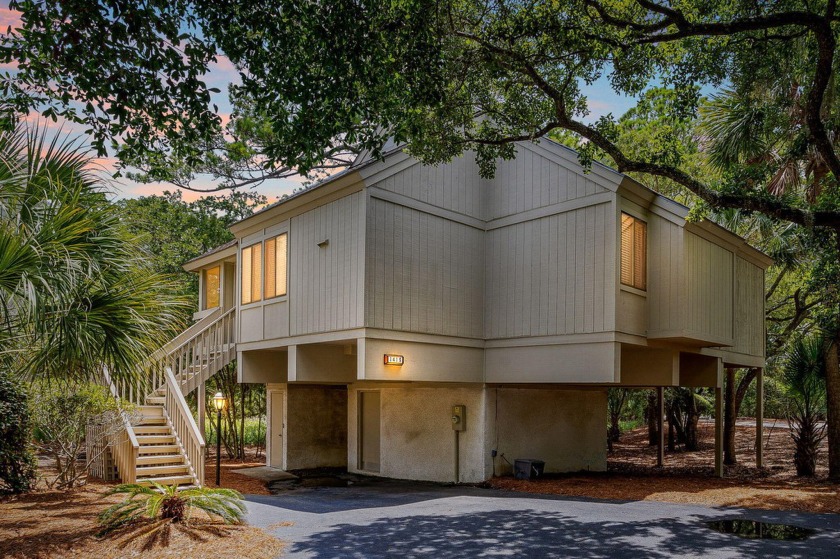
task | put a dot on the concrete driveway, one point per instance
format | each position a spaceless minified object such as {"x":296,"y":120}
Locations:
{"x":399,"y":519}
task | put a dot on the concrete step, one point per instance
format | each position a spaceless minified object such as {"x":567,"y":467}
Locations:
{"x":159,"y":459}
{"x":156,"y":470}
{"x":167,"y":480}
{"x":156,"y":439}
{"x":159,"y":449}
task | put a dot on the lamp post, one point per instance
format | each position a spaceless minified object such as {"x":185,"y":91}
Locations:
{"x":219,"y":403}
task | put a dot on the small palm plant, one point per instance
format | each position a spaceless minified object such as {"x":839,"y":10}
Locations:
{"x":804,"y":375}
{"x":169,"y":504}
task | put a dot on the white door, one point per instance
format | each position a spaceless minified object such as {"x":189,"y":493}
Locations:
{"x":276,"y":435}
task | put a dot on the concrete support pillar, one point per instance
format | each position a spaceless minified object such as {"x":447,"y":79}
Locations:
{"x":202,"y":411}
{"x":759,"y":419}
{"x":719,"y":430}
{"x":660,"y":422}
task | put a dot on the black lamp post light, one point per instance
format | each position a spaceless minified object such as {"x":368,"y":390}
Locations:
{"x":219,"y":403}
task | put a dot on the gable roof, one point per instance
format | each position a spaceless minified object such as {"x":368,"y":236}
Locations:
{"x":221,"y":251}
{"x":563,"y":155}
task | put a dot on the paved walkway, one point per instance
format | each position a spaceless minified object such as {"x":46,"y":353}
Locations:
{"x":393,"y":519}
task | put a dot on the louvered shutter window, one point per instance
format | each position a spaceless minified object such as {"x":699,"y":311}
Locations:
{"x":633,"y":252}
{"x":251,"y":277}
{"x":275,"y":266}
{"x":212,"y":285}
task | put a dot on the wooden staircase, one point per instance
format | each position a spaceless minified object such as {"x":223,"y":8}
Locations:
{"x":160,"y":441}
{"x":160,"y":458}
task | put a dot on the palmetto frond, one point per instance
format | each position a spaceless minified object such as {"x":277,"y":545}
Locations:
{"x":161,"y":501}
{"x":804,"y":376}
{"x":76,"y":294}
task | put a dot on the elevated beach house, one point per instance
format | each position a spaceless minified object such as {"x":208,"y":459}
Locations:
{"x":422,"y":322}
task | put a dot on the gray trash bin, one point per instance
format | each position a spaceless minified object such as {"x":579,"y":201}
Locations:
{"x":528,"y":468}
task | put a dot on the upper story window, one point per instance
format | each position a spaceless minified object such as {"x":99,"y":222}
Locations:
{"x":275,"y":266}
{"x":251,"y":277}
{"x":633,"y":252}
{"x":212,"y":287}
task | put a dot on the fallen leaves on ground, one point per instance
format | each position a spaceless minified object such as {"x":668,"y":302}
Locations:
{"x":688,"y":476}
{"x":52,"y":524}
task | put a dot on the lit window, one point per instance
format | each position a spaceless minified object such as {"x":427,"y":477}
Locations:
{"x":251,"y":279}
{"x":633,"y":252}
{"x":212,"y":286}
{"x":275,"y":266}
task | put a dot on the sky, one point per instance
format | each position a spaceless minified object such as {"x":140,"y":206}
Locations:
{"x":601,"y":98}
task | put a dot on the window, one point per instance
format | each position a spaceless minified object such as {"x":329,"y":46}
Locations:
{"x":275,"y":266}
{"x":633,"y":252}
{"x":212,"y":287}
{"x":251,"y":273}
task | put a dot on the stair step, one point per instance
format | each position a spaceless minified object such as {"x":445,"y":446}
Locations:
{"x":150,"y":411}
{"x":148,"y":459}
{"x":148,"y":421}
{"x":168,"y":480}
{"x":156,"y":400}
{"x":156,"y":439}
{"x":152,"y":450}
{"x":152,"y":430}
{"x":155,"y":470}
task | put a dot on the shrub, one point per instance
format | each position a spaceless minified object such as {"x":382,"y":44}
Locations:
{"x":171,"y":504}
{"x":17,"y":461}
{"x":804,"y":376}
{"x":61,"y":415}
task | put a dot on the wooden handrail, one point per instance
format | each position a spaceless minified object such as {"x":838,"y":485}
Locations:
{"x":124,"y":445}
{"x":184,"y":426}
{"x":200,"y":332}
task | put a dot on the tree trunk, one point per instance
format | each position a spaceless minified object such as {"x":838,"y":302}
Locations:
{"x":692,"y":418}
{"x":832,"y":388}
{"x":652,"y":421}
{"x":242,"y":422}
{"x":729,"y":417}
{"x":732,"y":404}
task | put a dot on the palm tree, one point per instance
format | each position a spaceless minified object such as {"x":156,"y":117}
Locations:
{"x":804,"y":375}
{"x":169,"y":504}
{"x":76,"y":294}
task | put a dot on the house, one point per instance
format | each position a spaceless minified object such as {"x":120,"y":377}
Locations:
{"x":422,"y":322}
{"x":425,"y":323}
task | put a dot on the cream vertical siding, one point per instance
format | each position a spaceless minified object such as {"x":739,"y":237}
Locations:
{"x":425,"y":273}
{"x":691,"y":286}
{"x":325,"y":284}
{"x":551,"y":276}
{"x":532,"y":181}
{"x":666,"y":284}
{"x":749,"y":308}
{"x":709,"y":274}
{"x":455,"y":186}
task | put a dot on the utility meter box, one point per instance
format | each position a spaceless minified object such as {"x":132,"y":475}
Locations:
{"x":459,"y":417}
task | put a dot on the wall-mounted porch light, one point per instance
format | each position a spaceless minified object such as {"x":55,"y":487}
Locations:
{"x":391,"y":359}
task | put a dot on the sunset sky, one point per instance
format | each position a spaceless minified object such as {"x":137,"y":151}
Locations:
{"x":602,"y":100}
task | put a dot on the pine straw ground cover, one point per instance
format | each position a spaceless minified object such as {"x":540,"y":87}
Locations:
{"x":688,"y":476}
{"x":53,"y":524}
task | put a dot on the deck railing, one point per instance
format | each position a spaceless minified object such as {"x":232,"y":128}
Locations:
{"x":123,"y":442}
{"x":174,"y":371}
{"x":183,"y":424}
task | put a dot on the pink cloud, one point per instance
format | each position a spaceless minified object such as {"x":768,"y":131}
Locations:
{"x":9,"y":18}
